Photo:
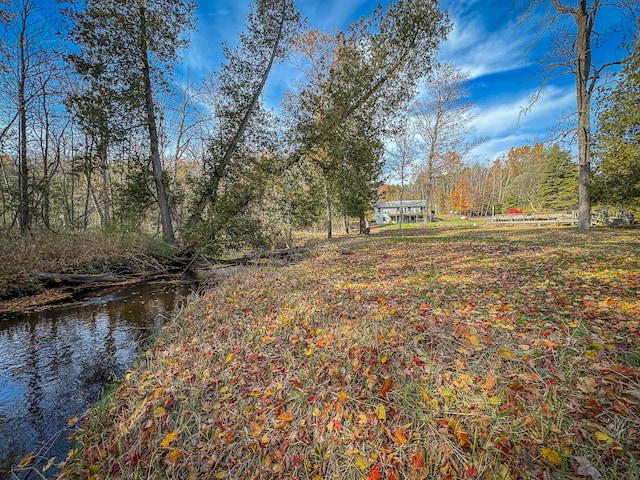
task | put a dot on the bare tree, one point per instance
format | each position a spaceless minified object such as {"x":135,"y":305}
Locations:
{"x":443,"y":120}
{"x":402,"y":159}
{"x":572,"y":52}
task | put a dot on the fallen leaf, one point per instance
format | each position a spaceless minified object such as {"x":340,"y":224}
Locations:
{"x":602,"y":437}
{"x":417,"y":461}
{"x":72,"y":422}
{"x":504,"y":352}
{"x":586,"y":469}
{"x":489,"y":383}
{"x":551,"y":455}
{"x":381,"y":412}
{"x":174,"y":455}
{"x":26,"y":460}
{"x":587,"y":384}
{"x":400,"y":436}
{"x":386,"y":386}
{"x":285,"y":417}
{"x":375,"y":473}
{"x":361,"y":462}
{"x":49,"y":464}
{"x":168,"y":439}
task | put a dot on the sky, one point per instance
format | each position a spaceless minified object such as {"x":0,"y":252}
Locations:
{"x":487,"y":42}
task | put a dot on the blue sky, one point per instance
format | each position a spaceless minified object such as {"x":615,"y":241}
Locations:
{"x":487,"y":42}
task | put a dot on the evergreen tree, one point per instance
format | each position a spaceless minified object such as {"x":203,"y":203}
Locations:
{"x":617,"y":177}
{"x":559,"y":189}
{"x":127,"y":48}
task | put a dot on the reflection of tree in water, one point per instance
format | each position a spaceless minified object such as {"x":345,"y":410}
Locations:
{"x":68,"y":356}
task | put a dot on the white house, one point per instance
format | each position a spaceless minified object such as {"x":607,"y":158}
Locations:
{"x":411,"y":210}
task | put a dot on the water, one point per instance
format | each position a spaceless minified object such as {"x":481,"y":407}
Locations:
{"x":55,"y":364}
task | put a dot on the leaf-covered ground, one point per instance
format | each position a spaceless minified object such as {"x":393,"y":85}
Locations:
{"x":491,"y":354}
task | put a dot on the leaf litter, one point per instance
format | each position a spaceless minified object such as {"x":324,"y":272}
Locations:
{"x":401,"y":360}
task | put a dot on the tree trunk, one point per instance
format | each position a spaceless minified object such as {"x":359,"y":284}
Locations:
{"x":211,"y":187}
{"x":584,"y":22}
{"x":162,"y":197}
{"x":23,"y":168}
{"x":328,"y":200}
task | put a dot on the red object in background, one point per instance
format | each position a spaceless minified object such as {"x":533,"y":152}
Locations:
{"x":515,"y":210}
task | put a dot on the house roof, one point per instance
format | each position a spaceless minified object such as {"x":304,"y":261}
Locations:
{"x":404,"y":203}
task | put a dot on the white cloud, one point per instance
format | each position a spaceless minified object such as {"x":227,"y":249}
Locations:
{"x":503,"y":123}
{"x":480,"y":50}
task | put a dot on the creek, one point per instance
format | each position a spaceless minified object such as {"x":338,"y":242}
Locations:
{"x":55,"y":364}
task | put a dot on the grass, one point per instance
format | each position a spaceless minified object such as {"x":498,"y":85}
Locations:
{"x":79,"y":252}
{"x":454,"y":353}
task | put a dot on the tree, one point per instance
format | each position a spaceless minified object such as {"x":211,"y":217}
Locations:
{"x":28,"y":70}
{"x":367,"y":77}
{"x":128,"y":49}
{"x":378,"y":64}
{"x":522,"y":176}
{"x":402,"y":159}
{"x":461,"y":195}
{"x":236,"y":92}
{"x":617,"y":151}
{"x":574,"y":54}
{"x":559,"y":186}
{"x":358,"y":158}
{"x":443,"y":120}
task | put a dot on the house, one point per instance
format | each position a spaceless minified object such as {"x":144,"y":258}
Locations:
{"x":389,"y":212}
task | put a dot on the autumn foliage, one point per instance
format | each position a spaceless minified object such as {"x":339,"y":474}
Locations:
{"x":451,"y":355}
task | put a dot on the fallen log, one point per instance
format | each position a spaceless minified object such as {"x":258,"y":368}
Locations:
{"x":77,"y":279}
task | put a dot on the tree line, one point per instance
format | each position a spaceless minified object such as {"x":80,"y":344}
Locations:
{"x":527,"y":179}
{"x":98,"y":131}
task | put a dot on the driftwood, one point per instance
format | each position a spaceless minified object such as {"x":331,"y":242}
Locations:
{"x":77,"y":279}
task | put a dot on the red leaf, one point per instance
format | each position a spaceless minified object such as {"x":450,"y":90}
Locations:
{"x":416,"y":460}
{"x":375,"y":473}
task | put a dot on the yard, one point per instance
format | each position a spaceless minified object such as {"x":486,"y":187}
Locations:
{"x":439,"y":353}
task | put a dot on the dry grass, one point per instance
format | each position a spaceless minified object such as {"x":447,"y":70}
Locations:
{"x":81,"y":252}
{"x":478,"y":354}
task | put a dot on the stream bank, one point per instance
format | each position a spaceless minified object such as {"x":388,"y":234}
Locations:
{"x":56,"y":362}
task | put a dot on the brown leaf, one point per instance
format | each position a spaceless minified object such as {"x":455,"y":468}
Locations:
{"x":386,"y":386}
{"x":490,"y":382}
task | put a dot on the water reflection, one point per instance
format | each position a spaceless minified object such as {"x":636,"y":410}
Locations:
{"x":54,"y":364}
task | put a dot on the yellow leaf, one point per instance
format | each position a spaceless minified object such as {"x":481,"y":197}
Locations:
{"x":361,"y":462}
{"x":316,"y":412}
{"x":229,"y":358}
{"x":381,"y":412}
{"x":473,"y":340}
{"x":168,"y":439}
{"x":504,"y":352}
{"x":256,"y":429}
{"x":495,"y":401}
{"x":524,"y":347}
{"x":285,"y":417}
{"x":71,"y":422}
{"x":158,"y":412}
{"x":425,"y":395}
{"x":220,"y":475}
{"x":224,"y":389}
{"x":602,"y":437}
{"x":551,"y":455}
